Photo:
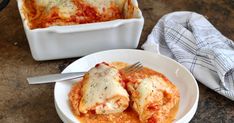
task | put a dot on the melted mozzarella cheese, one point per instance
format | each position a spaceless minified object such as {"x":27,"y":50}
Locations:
{"x":148,"y":97}
{"x":103,"y":92}
{"x":147,"y":89}
{"x":102,"y":5}
{"x":66,"y":7}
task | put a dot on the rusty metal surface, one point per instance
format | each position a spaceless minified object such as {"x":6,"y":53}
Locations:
{"x":23,"y":103}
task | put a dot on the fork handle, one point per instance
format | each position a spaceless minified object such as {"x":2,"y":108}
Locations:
{"x":54,"y":77}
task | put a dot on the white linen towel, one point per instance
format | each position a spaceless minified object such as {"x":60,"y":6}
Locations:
{"x":194,"y":42}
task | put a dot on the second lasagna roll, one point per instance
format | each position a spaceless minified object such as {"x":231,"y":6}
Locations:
{"x":102,"y":91}
{"x":153,"y":98}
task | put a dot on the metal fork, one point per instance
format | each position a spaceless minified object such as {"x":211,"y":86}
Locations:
{"x":133,"y":68}
{"x":73,"y":75}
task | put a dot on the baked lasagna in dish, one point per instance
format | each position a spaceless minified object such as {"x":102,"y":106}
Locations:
{"x":45,"y":13}
{"x":111,"y":95}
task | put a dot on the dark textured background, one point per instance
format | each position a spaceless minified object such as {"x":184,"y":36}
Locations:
{"x":23,"y":103}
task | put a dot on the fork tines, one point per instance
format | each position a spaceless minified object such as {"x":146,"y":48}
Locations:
{"x":134,"y":67}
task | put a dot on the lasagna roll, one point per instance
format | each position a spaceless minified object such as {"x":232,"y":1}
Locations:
{"x":153,"y":98}
{"x":102,"y":91}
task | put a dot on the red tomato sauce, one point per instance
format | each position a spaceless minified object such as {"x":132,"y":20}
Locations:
{"x":39,"y":17}
{"x":128,"y":116}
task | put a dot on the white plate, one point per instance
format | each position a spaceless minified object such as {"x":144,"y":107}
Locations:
{"x":176,"y":73}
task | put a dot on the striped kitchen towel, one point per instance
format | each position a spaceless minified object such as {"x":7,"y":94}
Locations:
{"x":194,"y":42}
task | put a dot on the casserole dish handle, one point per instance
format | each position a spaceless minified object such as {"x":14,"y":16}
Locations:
{"x":86,"y":27}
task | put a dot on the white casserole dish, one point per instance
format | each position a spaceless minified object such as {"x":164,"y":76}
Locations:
{"x":57,"y":42}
